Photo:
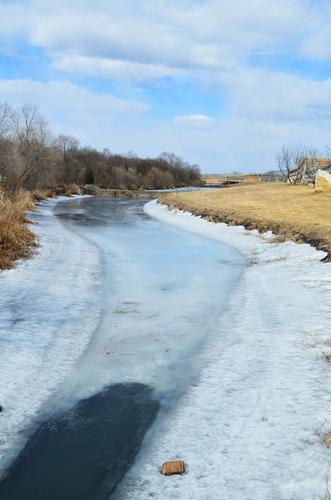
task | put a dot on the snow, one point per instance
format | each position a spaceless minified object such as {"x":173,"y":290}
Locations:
{"x":250,"y":427}
{"x":228,"y":327}
{"x":107,"y":299}
{"x":49,"y":310}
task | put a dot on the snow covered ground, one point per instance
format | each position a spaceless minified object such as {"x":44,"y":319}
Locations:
{"x":111,"y":296}
{"x":50,"y":306}
{"x":250,"y":427}
{"x":115,"y":296}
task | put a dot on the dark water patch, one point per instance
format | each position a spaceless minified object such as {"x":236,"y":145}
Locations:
{"x":83,"y":453}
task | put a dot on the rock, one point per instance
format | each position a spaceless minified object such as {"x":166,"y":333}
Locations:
{"x":59,"y":190}
{"x":89,"y":189}
{"x":322,"y":181}
{"x":1,"y":408}
{"x":173,"y":467}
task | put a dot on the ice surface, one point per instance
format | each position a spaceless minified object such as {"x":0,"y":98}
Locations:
{"x":227,"y":327}
{"x":250,"y":427}
{"x":159,"y":311}
{"x":112,"y":296}
{"x":49,"y":307}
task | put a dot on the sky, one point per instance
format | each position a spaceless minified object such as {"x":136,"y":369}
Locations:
{"x":221,"y":83}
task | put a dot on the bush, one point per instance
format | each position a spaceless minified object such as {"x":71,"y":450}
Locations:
{"x":16,"y":239}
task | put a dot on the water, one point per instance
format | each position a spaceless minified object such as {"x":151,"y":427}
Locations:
{"x":156,"y":294}
{"x":84,"y":452}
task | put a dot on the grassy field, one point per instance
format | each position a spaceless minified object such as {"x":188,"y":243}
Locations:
{"x":291,"y":212}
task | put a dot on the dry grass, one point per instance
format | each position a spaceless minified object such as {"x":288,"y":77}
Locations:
{"x":291,"y":212}
{"x":327,"y":356}
{"x":326,"y":439}
{"x":64,"y":190}
{"x":71,"y":189}
{"x":16,"y":240}
{"x":42,"y":194}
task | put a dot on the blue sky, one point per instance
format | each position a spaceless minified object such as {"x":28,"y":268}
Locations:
{"x":222,"y":83}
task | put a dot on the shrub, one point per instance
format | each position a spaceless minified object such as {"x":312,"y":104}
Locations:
{"x":16,"y":239}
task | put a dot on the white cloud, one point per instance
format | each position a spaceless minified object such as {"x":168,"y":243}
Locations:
{"x":70,"y":109}
{"x":277,"y":96}
{"x":212,"y":35}
{"x":197,"y":121}
{"x":317,"y":45}
{"x":66,"y":95}
{"x":126,"y":71}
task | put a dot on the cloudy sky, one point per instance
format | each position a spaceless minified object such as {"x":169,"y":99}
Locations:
{"x":223,"y":83}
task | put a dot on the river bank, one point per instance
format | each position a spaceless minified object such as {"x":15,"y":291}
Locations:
{"x":291,"y":212}
{"x":254,"y":423}
{"x":17,"y":239}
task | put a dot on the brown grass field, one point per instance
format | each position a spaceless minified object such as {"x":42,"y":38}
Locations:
{"x":291,"y":212}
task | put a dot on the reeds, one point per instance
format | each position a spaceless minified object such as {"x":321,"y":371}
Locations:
{"x":16,"y":239}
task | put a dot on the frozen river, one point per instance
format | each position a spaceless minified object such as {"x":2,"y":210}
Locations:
{"x":138,"y":335}
{"x":102,"y":334}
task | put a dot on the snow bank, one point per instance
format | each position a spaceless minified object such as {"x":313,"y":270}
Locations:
{"x":49,"y":309}
{"x":250,"y":427}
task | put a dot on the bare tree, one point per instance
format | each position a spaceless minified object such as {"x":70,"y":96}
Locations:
{"x":67,"y":143}
{"x":68,"y":147}
{"x":327,"y":150}
{"x":5,"y":112}
{"x":285,"y":161}
{"x":33,"y":139}
{"x":307,"y":158}
{"x":31,"y":158}
{"x":298,"y":164}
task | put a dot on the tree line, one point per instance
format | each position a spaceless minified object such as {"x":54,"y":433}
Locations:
{"x":31,"y":157}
